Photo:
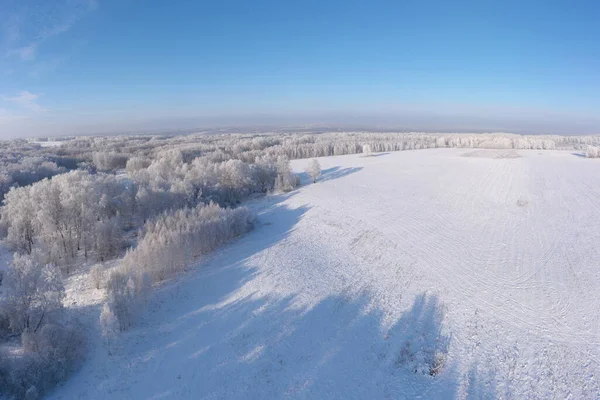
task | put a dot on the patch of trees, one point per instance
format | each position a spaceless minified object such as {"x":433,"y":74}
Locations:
{"x":23,"y":163}
{"x":80,"y":214}
{"x":109,"y":160}
{"x":77,"y":213}
{"x":168,"y":245}
{"x":31,"y":310}
{"x":170,"y":181}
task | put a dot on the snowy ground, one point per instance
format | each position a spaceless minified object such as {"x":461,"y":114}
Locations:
{"x":487,"y":263}
{"x":47,"y":143}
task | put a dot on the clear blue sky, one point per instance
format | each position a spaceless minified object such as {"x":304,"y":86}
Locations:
{"x":69,"y":66}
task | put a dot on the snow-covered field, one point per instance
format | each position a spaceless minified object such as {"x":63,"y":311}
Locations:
{"x":47,"y":143}
{"x":428,"y":274}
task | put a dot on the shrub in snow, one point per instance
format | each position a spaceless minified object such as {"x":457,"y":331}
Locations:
{"x":423,"y":356}
{"x":522,"y":202}
{"x":367,"y":151}
{"x":425,"y":350}
{"x":314,"y":169}
{"x":592,"y":152}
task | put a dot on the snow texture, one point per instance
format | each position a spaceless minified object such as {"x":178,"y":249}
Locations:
{"x":422,"y":274}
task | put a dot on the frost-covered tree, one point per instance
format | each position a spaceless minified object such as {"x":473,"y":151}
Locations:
{"x":314,"y":169}
{"x":33,"y":294}
{"x":109,"y":324}
{"x":54,"y":222}
{"x":108,"y":161}
{"x":234,"y":180}
{"x":71,"y":214}
{"x":167,"y":245}
{"x":170,"y":242}
{"x":137,"y":163}
{"x":123,"y":294}
{"x":286,"y":180}
{"x":96,"y":276}
{"x":19,"y":213}
{"x":264,"y":173}
{"x":47,"y":357}
{"x":107,"y":239}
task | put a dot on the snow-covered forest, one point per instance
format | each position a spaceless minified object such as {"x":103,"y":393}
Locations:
{"x":129,"y":212}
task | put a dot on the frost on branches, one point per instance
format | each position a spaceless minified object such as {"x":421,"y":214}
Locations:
{"x":314,"y":170}
{"x":168,"y":245}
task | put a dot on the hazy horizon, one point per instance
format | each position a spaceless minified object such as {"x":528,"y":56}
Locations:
{"x":260,"y":123}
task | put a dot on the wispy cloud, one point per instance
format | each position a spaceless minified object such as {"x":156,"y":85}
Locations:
{"x":11,"y":32}
{"x":24,"y":53}
{"x":25,"y":100}
{"x":30,"y":23}
{"x":44,"y":67}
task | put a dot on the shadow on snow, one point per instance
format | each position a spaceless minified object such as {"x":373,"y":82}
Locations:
{"x":210,"y":344}
{"x":327,"y":174}
{"x":379,"y":154}
{"x":337,"y":172}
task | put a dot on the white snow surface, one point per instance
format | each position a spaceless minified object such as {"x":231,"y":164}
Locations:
{"x":47,"y":143}
{"x":347,"y":285}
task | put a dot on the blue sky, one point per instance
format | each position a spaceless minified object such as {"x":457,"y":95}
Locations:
{"x":85,"y":66}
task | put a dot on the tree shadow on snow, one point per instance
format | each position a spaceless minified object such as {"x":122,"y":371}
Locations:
{"x":200,"y":340}
{"x":337,"y":172}
{"x":379,"y":154}
{"x":304,"y":177}
{"x":480,"y":384}
{"x":582,"y":155}
{"x":266,"y":347}
{"x":327,"y":174}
